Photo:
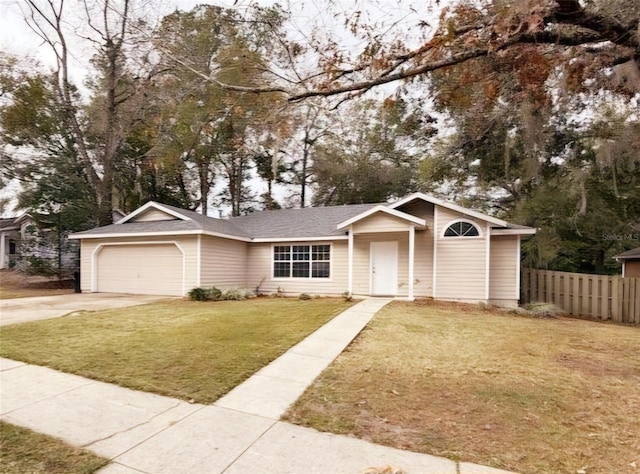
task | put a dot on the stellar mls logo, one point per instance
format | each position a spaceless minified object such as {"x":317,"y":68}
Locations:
{"x":621,"y":237}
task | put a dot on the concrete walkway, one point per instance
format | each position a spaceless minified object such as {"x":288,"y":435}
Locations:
{"x":146,"y":433}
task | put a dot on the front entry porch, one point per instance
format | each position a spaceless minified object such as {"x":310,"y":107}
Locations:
{"x":382,"y":253}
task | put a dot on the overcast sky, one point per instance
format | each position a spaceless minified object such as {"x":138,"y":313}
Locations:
{"x":402,"y":16}
{"x":395,"y":17}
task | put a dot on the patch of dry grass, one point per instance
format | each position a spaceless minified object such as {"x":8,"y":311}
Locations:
{"x":525,"y":394}
{"x":183,"y":349}
{"x":14,"y":284}
{"x":23,"y":451}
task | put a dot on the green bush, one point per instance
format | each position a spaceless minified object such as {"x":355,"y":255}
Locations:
{"x":215,"y":294}
{"x":40,"y":266}
{"x":199,"y":294}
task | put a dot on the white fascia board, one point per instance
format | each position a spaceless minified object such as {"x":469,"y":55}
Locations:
{"x":387,"y":210}
{"x":451,"y":206}
{"x":527,"y":231}
{"x":23,"y":217}
{"x":156,"y":234}
{"x":155,"y":205}
{"x":299,"y":239}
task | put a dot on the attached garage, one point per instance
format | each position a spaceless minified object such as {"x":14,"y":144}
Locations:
{"x":144,"y":268}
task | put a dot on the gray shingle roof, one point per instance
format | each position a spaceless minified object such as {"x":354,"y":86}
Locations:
{"x":281,"y":223}
{"x":307,"y":222}
{"x":629,"y":254}
{"x":310,"y":222}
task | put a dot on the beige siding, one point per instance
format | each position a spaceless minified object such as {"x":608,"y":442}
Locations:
{"x":460,"y":261}
{"x":503,"y":269}
{"x":152,"y":215}
{"x":260,"y":272}
{"x":90,"y":249}
{"x":380,"y":222}
{"x":423,"y":264}
{"x":223,"y":263}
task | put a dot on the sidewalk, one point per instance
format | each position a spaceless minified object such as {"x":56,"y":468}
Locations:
{"x":146,"y":433}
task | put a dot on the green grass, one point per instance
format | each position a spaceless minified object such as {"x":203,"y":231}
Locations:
{"x":523,"y":394}
{"x":23,"y":451}
{"x":183,"y":349}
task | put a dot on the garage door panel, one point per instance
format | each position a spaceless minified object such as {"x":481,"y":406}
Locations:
{"x":140,"y":269}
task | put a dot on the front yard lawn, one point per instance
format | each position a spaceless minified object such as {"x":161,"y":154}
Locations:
{"x":23,"y":451}
{"x":15,"y":284}
{"x":524,"y":394}
{"x":184,"y":349}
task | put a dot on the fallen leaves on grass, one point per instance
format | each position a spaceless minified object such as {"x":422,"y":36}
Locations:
{"x":525,"y":394}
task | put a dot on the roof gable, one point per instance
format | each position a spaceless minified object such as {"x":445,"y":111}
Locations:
{"x":153,"y":211}
{"x":385,"y":210}
{"x":451,"y":206}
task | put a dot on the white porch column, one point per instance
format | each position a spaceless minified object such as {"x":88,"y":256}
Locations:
{"x":3,"y":254}
{"x":487,"y":264}
{"x":350,"y":258}
{"x":412,"y":251}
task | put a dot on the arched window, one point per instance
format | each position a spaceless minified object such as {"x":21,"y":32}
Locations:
{"x":462,"y":229}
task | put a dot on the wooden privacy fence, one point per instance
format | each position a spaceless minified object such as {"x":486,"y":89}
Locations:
{"x":580,"y":294}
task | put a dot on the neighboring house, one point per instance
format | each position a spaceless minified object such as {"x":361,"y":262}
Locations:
{"x":419,"y":246}
{"x":10,"y":235}
{"x":24,"y":245}
{"x":630,"y":263}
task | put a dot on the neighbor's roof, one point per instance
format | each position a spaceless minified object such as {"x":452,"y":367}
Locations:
{"x":629,"y":254}
{"x":8,"y":223}
{"x":11,"y":223}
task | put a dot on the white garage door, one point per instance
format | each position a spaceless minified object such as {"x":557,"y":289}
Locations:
{"x":149,"y":269}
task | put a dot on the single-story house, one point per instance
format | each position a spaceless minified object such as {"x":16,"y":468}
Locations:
{"x":419,"y":246}
{"x":24,"y":241}
{"x":630,"y":263}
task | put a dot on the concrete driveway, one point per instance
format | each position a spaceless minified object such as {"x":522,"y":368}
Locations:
{"x":20,"y":310}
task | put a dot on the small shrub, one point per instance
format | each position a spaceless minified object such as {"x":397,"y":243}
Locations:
{"x":304,"y":296}
{"x":347,"y":296}
{"x":236,"y":294}
{"x":199,"y":294}
{"x":544,"y":310}
{"x":40,"y":266}
{"x":215,"y":294}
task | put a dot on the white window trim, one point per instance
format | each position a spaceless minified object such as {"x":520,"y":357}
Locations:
{"x":456,"y":237}
{"x":305,"y":279}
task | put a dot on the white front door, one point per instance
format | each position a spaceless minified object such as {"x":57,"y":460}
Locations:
{"x":384,"y":268}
